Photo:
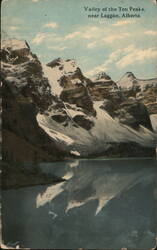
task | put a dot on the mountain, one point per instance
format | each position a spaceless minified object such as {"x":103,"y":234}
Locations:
{"x":70,"y":84}
{"x":144,"y":91}
{"x":129,"y":81}
{"x":53,"y":111}
{"x":102,"y":87}
{"x":26,"y":92}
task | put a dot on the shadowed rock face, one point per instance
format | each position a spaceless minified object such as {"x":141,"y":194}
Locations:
{"x":137,"y":112}
{"x":130,"y":112}
{"x":83,"y":122}
{"x":25,"y":93}
{"x":144,"y":91}
{"x":102,"y":87}
{"x":80,"y":97}
{"x":149,"y":98}
{"x":73,"y":83}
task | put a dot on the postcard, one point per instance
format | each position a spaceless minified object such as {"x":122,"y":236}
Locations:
{"x":79,"y":124}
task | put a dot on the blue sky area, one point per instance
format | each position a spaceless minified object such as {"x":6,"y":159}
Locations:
{"x":61,"y":28}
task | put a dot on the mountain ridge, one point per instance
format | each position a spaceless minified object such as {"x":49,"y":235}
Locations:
{"x":74,"y":113}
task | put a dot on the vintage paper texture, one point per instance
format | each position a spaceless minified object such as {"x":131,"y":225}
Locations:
{"x":79,"y":124}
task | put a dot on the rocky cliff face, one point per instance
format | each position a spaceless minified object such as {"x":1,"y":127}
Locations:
{"x":102,"y":87}
{"x":26,"y":92}
{"x":143,"y":91}
{"x":128,"y":116}
{"x":73,"y":84}
{"x":52,"y":111}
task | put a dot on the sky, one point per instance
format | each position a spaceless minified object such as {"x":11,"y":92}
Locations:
{"x":62,"y":28}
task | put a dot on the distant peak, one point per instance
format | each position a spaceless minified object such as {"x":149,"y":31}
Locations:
{"x":55,"y":62}
{"x":61,"y":62}
{"x":67,"y":67}
{"x":129,"y":75}
{"x":101,"y":75}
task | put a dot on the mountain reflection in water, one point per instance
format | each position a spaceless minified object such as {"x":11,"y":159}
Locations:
{"x":103,"y":204}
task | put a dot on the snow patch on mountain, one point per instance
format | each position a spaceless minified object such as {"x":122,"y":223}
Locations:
{"x":58,"y":68}
{"x":53,"y":75}
{"x":108,"y":129}
{"x":57,"y":136}
{"x":129,"y":80}
{"x":78,"y":138}
{"x":101,"y":77}
{"x":69,"y":66}
{"x":98,"y":139}
{"x":73,"y":112}
{"x":14,"y":44}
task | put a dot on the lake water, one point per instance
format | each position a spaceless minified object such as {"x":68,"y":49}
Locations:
{"x":103,"y":204}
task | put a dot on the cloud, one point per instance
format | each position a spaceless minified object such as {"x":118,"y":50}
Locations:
{"x":94,"y":34}
{"x":72,"y":35}
{"x":48,"y":38}
{"x":151,"y":32}
{"x":112,"y":38}
{"x":39,"y":38}
{"x":123,"y":22}
{"x":86,"y":32}
{"x":52,"y":25}
{"x":91,"y":32}
{"x":123,"y":57}
{"x":96,"y":70}
{"x":137,"y":55}
{"x":13,"y":28}
{"x":91,"y":45}
{"x":105,"y":66}
{"x":59,"y":48}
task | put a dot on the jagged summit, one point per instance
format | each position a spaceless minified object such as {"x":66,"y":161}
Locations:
{"x":101,"y":76}
{"x":102,"y":86}
{"x":129,"y":80}
{"x":14,"y":44}
{"x":59,"y":110}
{"x":16,"y":51}
{"x":68,"y":66}
{"x":64,"y":74}
{"x":129,"y":75}
{"x":55,"y":62}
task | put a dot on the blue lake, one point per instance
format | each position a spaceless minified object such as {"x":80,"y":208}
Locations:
{"x":103,"y":204}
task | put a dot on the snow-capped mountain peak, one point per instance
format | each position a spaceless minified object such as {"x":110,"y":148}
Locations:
{"x":64,"y":74}
{"x":129,"y":75}
{"x":14,"y":44}
{"x":69,"y":112}
{"x":65,"y":66}
{"x":101,"y":76}
{"x":129,"y":80}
